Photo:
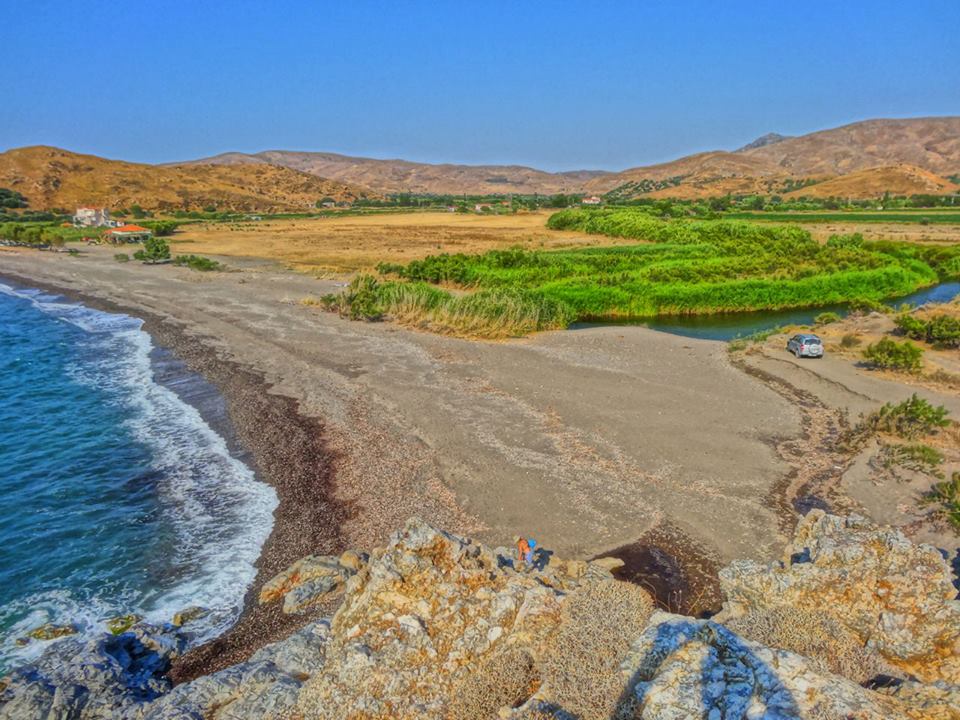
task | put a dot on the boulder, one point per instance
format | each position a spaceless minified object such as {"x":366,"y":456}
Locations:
{"x":896,"y":596}
{"x":107,"y":676}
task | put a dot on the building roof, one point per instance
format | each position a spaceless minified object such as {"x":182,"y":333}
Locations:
{"x":130,"y":229}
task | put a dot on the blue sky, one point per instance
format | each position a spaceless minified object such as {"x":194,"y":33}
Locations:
{"x":555,"y":85}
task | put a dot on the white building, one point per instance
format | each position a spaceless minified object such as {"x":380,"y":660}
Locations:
{"x":92,"y":217}
{"x":592,"y":200}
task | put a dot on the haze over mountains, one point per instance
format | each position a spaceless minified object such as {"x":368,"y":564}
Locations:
{"x":863,"y":159}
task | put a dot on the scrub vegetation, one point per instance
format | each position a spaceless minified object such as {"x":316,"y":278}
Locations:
{"x":687,"y":267}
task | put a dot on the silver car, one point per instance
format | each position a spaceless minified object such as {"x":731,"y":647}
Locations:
{"x":805,"y":345}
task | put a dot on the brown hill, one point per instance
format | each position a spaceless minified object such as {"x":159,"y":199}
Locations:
{"x":52,"y":178}
{"x":875,"y":182}
{"x":770,"y":164}
{"x":395,"y":176}
{"x":929,"y":143}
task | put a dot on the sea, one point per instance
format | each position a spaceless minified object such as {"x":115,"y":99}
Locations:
{"x":117,"y":495}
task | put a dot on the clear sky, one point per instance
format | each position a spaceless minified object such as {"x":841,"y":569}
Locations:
{"x":557,"y":85}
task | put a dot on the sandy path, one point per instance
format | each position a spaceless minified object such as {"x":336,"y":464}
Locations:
{"x":585,"y":439}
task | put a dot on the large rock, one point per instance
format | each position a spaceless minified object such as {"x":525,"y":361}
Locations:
{"x":109,"y":676}
{"x":897,"y":597}
{"x":265,"y":687}
{"x":428,"y":609}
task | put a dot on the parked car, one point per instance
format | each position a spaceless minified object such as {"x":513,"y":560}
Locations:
{"x":805,"y":345}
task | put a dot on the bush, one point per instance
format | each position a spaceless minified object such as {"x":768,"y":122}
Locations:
{"x":507,"y":678}
{"x":154,"y":250}
{"x":825,"y":318}
{"x":814,"y":634}
{"x":942,"y":331}
{"x":865,"y":305}
{"x":121,"y":257}
{"x":945,"y":496}
{"x":850,"y":340}
{"x":913,"y":418}
{"x":598,"y":623}
{"x":891,"y":355}
{"x":197,"y":262}
{"x":359,"y":301}
{"x":917,"y":457}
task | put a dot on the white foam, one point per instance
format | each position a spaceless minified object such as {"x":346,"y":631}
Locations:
{"x":220,"y":514}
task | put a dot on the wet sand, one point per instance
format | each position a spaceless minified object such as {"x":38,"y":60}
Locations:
{"x":589,"y":440}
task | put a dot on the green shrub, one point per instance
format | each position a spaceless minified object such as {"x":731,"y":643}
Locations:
{"x":850,"y":340}
{"x":911,"y":326}
{"x":866,"y":305}
{"x":911,"y":419}
{"x":359,"y":301}
{"x":891,"y":355}
{"x":197,"y":262}
{"x":154,"y":250}
{"x":945,"y":495}
{"x":121,"y":257}
{"x":919,"y":457}
{"x":825,"y":318}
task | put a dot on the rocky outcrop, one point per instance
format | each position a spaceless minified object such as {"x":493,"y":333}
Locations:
{"x":109,"y":676}
{"x":310,"y":580}
{"x":896,"y":596}
{"x":438,"y":626}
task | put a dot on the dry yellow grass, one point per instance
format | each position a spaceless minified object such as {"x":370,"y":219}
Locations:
{"x":345,"y":244}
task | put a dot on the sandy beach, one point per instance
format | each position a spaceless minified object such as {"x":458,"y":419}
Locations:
{"x":592,"y":440}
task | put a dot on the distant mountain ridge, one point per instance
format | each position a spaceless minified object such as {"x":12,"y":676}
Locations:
{"x":862,"y":159}
{"x":394,"y":176}
{"x":53,"y":178}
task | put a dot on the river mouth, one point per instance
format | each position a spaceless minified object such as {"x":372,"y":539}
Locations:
{"x":729,"y":326}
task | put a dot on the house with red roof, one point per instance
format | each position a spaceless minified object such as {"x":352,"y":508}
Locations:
{"x":128,"y":234}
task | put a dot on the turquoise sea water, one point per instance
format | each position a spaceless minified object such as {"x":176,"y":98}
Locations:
{"x":115,"y":495}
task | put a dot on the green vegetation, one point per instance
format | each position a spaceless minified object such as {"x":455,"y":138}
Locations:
{"x":945,"y":495}
{"x":741,"y":343}
{"x":825,"y":318}
{"x":488,"y":313}
{"x":942,"y":331}
{"x":890,"y":355}
{"x":121,"y":257}
{"x":687,"y":267}
{"x":911,"y":419}
{"x":880,"y":216}
{"x":11,"y":199}
{"x":197,"y":262}
{"x":155,"y":249}
{"x":917,"y":457}
{"x":850,"y":340}
{"x":161,"y":228}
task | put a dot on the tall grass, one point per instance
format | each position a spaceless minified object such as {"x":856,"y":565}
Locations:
{"x":492,"y":314}
{"x":681,"y":267}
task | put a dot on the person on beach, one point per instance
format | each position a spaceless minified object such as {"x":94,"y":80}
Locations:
{"x":525,"y":551}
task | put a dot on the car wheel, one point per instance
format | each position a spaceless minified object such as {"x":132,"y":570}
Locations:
{"x":796,"y":354}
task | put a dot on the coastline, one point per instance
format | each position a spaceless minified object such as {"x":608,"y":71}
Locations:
{"x":284,"y":448}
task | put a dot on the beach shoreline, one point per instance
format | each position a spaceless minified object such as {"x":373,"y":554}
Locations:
{"x":622,"y":439}
{"x":284,"y":449}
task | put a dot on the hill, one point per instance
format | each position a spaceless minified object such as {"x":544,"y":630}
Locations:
{"x":396,"y":176}
{"x":775,"y":164}
{"x":53,"y":178}
{"x":929,"y":143}
{"x":875,"y":182}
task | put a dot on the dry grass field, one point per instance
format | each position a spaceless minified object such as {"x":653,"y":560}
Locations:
{"x":330,"y":246}
{"x":324,"y":246}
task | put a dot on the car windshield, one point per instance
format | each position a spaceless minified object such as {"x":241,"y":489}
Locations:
{"x":812,"y":340}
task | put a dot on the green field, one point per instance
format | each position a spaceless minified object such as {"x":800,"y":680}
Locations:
{"x":682,"y":268}
{"x":922,"y":216}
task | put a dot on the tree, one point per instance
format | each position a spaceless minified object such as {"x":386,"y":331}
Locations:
{"x":137,"y":211}
{"x":154,"y":250}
